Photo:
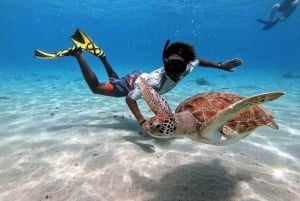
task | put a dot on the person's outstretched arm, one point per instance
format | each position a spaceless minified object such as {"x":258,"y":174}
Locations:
{"x":228,"y":65}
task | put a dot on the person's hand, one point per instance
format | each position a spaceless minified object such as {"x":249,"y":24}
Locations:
{"x":229,"y":65}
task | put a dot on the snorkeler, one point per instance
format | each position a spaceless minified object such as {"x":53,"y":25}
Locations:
{"x":287,"y":7}
{"x":179,"y":59}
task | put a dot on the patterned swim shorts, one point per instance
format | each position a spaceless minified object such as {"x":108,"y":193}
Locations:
{"x":122,"y":86}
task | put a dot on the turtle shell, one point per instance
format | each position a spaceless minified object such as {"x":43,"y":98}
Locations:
{"x":205,"y":105}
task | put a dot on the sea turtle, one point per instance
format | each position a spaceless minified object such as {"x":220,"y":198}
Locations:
{"x":217,"y":118}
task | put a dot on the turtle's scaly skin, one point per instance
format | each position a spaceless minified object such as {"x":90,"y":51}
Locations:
{"x":205,"y":105}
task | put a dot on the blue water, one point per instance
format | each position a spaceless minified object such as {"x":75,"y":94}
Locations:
{"x":60,"y":141}
{"x":133,"y":32}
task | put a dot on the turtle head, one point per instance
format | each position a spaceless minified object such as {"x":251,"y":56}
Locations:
{"x":162,"y":126}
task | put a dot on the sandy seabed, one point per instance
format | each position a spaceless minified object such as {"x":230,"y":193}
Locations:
{"x":64,"y":143}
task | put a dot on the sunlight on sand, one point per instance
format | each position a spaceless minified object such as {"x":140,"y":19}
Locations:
{"x":87,"y":147}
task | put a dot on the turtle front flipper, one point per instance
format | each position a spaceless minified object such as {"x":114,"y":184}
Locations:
{"x":210,"y":131}
{"x":163,"y":125}
{"x":157,"y":104}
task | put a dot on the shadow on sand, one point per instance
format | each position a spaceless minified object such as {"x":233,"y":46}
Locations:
{"x":196,"y":181}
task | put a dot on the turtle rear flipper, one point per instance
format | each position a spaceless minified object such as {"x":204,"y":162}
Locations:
{"x":211,"y":129}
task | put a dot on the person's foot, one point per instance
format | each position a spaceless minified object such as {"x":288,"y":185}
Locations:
{"x":82,"y":40}
{"x":67,"y":52}
{"x":72,"y":51}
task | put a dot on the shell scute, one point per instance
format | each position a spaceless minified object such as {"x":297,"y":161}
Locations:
{"x":206,"y":105}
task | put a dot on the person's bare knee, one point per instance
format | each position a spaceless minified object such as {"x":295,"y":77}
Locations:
{"x":103,"y":89}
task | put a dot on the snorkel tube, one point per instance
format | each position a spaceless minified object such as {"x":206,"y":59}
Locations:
{"x":164,"y":53}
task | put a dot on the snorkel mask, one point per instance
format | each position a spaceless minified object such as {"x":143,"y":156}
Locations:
{"x":174,"y":64}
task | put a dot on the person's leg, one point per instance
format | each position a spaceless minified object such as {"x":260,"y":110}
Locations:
{"x":91,"y":79}
{"x":274,"y":11}
{"x":290,"y":10}
{"x":82,"y":40}
{"x":295,"y":3}
{"x":109,"y":70}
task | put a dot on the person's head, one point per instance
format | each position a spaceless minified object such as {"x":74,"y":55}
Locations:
{"x":176,"y":57}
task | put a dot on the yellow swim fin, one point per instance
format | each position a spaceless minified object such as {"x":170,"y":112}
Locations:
{"x":83,"y":41}
{"x":47,"y":55}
